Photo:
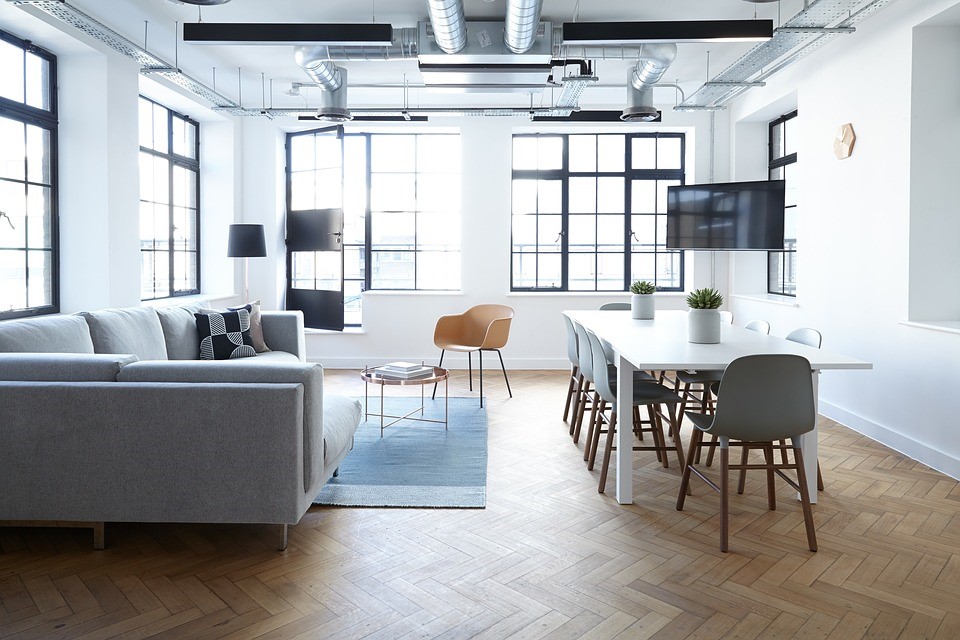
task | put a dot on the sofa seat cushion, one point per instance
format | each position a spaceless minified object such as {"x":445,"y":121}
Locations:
{"x":135,"y":330}
{"x":341,"y":416}
{"x":62,"y":367}
{"x":50,"y":334}
{"x":180,"y":330}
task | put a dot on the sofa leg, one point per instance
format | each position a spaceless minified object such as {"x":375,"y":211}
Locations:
{"x":283,"y":538}
{"x":336,"y":472}
{"x":98,"y":537}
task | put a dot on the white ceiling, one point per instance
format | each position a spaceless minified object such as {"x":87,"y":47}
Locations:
{"x":276,"y":63}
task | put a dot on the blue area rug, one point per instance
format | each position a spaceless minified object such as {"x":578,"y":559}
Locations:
{"x":415,"y":464}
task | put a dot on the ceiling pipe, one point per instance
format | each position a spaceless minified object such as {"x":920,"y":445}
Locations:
{"x":403,"y":46}
{"x":522,"y":22}
{"x":315,"y":61}
{"x":449,"y":24}
{"x":655,"y":59}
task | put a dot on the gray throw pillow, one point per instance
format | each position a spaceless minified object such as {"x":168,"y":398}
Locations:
{"x":133,"y":330}
{"x":180,"y":330}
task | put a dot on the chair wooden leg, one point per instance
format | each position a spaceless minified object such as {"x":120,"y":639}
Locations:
{"x":744,"y":459}
{"x":675,"y":432}
{"x":591,"y":456}
{"x":819,"y":478}
{"x":724,"y":496}
{"x":805,"y":498}
{"x":685,"y":478}
{"x":577,"y":399}
{"x":683,"y":401}
{"x":771,"y":490}
{"x":593,"y":420}
{"x":582,"y":407}
{"x":607,"y":450}
{"x":783,"y":453}
{"x":710,"y":450}
{"x":570,"y":388}
{"x":434,"y":394}
{"x":504,"y":369}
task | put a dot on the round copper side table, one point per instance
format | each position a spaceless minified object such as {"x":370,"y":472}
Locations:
{"x":372,"y":376}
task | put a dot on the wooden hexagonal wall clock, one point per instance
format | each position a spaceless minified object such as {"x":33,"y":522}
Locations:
{"x":843,"y":143}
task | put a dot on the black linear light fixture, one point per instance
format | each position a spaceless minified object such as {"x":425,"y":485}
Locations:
{"x":287,"y":33}
{"x":599,"y":33}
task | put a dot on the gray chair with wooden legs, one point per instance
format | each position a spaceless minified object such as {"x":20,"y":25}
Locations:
{"x":615,"y":306}
{"x":811,"y":338}
{"x":586,"y":396}
{"x":763,"y":398}
{"x":576,"y":378}
{"x":645,"y":393}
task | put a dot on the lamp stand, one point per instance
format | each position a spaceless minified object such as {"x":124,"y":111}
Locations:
{"x":246,"y":281}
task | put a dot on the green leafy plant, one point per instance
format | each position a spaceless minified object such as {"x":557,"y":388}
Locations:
{"x":705,"y":298}
{"x":642,"y":286}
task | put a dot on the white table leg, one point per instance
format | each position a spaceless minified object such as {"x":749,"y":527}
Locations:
{"x":808,"y":444}
{"x":625,"y":371}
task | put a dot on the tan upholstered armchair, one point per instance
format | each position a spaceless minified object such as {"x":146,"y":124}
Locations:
{"x":484,"y":327}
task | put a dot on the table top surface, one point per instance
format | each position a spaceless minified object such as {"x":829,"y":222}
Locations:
{"x":662,"y":343}
{"x":370,"y":374}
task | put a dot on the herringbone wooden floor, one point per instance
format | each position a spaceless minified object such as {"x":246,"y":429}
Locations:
{"x":548,"y":558}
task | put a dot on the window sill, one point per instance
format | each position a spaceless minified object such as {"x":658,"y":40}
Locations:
{"x":769,"y":298}
{"x":589,"y":294}
{"x":945,"y":326}
{"x":212,"y":298}
{"x":409,"y":292}
{"x":353,"y":331}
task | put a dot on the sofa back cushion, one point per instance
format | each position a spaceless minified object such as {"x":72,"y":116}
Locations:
{"x":180,"y":330}
{"x":133,"y":330}
{"x":62,"y":367}
{"x":50,"y":334}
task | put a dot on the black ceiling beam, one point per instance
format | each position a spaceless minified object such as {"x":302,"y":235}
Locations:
{"x":598,"y":33}
{"x":408,"y":118}
{"x":287,"y":33}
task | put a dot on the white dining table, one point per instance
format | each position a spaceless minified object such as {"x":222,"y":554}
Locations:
{"x":661,"y":344}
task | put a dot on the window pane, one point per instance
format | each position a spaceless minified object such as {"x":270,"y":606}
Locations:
{"x":549,"y":152}
{"x":302,"y":153}
{"x":524,"y":152}
{"x":669,"y":271}
{"x":438,"y":270}
{"x":643,"y":198}
{"x":583,"y":195}
{"x":11,"y":80}
{"x":549,"y":196}
{"x":438,"y":232}
{"x":328,"y":151}
{"x":610,"y":153}
{"x":161,"y":179}
{"x":524,"y":233}
{"x":643,"y":228}
{"x":160,"y":130}
{"x":393,"y":270}
{"x":789,"y":133}
{"x":352,"y":302}
{"x":610,"y":233}
{"x":548,"y":271}
{"x":583,"y":153}
{"x":643,"y":267}
{"x":13,"y":280}
{"x":583,"y":272}
{"x":145,"y":120}
{"x":662,"y":186}
{"x":184,"y":138}
{"x":524,"y":196}
{"x":393,"y":230}
{"x":38,"y":155}
{"x":353,"y":262}
{"x":147,"y":269}
{"x":329,"y":188}
{"x":393,"y":153}
{"x":438,"y":153}
{"x":393,"y":192}
{"x":583,"y":233}
{"x":329,"y":270}
{"x":13,"y":149}
{"x":548,"y":233}
{"x":644,"y":152}
{"x":610,"y":195}
{"x":302,"y":191}
{"x":39,"y":217}
{"x":668,"y":153}
{"x":438,"y":192}
{"x":303,"y":269}
{"x":184,"y":187}
{"x":13,"y":204}
{"x":524,"y":270}
{"x":184,"y":271}
{"x":610,"y":272}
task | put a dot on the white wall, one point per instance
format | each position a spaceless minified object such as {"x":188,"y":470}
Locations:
{"x":854,"y":231}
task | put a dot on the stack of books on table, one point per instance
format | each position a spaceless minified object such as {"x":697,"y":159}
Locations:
{"x":404,"y":371}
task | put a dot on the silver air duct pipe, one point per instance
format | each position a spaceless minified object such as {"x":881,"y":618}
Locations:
{"x":403,"y":46}
{"x":654,"y":61}
{"x":449,"y":24}
{"x":315,"y":61}
{"x":333,"y":104}
{"x":522,"y":22}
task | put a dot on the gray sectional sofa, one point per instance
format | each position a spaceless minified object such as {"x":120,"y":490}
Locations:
{"x":109,"y":416}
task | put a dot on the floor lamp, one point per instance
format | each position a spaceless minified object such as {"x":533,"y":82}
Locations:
{"x":246,"y":241}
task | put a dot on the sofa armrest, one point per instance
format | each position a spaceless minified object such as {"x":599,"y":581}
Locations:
{"x":283,"y":331}
{"x":63,"y":367}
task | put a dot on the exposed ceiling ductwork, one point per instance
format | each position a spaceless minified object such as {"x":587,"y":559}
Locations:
{"x":654,"y":61}
{"x":521,"y":25}
{"x":315,"y":61}
{"x":449,"y":24}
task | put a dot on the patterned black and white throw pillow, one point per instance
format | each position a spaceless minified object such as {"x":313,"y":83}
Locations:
{"x":225,"y":335}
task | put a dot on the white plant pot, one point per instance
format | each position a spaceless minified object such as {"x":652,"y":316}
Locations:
{"x":703,"y":326}
{"x":642,"y":306}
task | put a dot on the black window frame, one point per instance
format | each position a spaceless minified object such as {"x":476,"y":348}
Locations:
{"x":629,"y":174}
{"x":46,"y":119}
{"x":787,"y":256}
{"x":192,"y":164}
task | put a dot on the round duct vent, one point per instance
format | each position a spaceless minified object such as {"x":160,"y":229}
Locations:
{"x":333,"y":114}
{"x":639,"y":114}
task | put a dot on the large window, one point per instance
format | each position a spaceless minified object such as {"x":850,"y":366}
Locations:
{"x":169,"y":202}
{"x":782,"y":265}
{"x":28,"y":180}
{"x":401,"y":209}
{"x":589,"y":211}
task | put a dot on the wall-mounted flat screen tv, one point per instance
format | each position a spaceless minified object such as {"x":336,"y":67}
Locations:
{"x":729,"y":216}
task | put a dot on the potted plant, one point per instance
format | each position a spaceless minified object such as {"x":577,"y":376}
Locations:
{"x":641,"y":302}
{"x":703,"y":320}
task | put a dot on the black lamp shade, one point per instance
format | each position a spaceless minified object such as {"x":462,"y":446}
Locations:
{"x":246,"y":241}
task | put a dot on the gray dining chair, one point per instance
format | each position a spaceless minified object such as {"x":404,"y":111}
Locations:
{"x":760,"y":326}
{"x":576,"y":378}
{"x":763,"y":399}
{"x":615,"y":306}
{"x":811,"y":338}
{"x":645,"y":393}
